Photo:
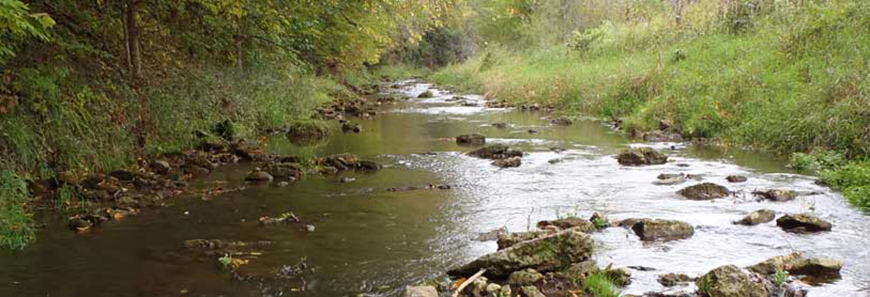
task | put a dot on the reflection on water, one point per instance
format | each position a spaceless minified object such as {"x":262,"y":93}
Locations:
{"x":371,"y":240}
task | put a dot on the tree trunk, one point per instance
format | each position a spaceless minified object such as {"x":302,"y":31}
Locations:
{"x":134,"y":58}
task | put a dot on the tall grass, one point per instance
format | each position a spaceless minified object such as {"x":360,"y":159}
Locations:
{"x":794,"y":78}
{"x":16,"y":222}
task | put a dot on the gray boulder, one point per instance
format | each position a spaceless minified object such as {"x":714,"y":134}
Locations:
{"x":777,"y":195}
{"x":641,"y":156}
{"x":543,"y":254}
{"x":757,"y":217}
{"x":730,"y":281}
{"x":705,"y":191}
{"x":580,"y":224}
{"x":650,"y":230}
{"x":803,"y":223}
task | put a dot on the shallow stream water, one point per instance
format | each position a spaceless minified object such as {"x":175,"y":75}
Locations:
{"x":372,"y":241}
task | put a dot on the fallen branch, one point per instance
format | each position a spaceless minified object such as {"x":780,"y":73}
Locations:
{"x":468,"y":281}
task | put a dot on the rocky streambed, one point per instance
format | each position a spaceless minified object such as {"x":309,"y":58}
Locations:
{"x":421,"y":188}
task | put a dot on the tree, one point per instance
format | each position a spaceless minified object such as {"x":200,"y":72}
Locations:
{"x":17,"y":23}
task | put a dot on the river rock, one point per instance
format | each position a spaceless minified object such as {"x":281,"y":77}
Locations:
{"x":365,"y":165}
{"x":770,"y":266}
{"x":676,"y":180}
{"x":471,"y":139}
{"x":524,"y":277}
{"x":500,"y":125}
{"x":425,"y":95}
{"x":673,"y":279}
{"x":122,"y":175}
{"x":351,"y":127}
{"x":304,"y":132}
{"x":342,"y":161}
{"x":493,"y":290}
{"x":803,"y":223}
{"x":736,"y":178}
{"x":508,"y":163}
{"x":649,"y":230}
{"x":161,"y":166}
{"x":285,"y":170}
{"x":796,"y":264}
{"x":757,"y":217}
{"x":507,"y":240}
{"x":531,"y":291}
{"x":705,"y":191}
{"x":641,"y":156}
{"x":730,"y":281}
{"x":777,"y":195}
{"x":563,"y":121}
{"x":495,"y":151}
{"x":543,"y":254}
{"x":818,"y":267}
{"x":620,"y":276}
{"x":579,"y":224}
{"x":420,"y":291}
{"x":259,"y":176}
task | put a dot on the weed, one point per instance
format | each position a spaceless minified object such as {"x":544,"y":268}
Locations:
{"x":600,"y":285}
{"x":780,"y":277}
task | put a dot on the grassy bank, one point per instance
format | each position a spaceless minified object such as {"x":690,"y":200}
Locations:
{"x":790,"y":79}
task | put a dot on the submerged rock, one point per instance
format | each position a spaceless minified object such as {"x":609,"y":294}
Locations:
{"x":563,"y":121}
{"x":500,"y":125}
{"x":673,"y":279}
{"x":495,"y":151}
{"x":736,"y":178}
{"x":365,"y":165}
{"x":641,"y":156}
{"x":351,"y":127}
{"x":259,"y":176}
{"x":705,"y":191}
{"x":670,"y":181}
{"x":803,"y":223}
{"x":777,"y":195}
{"x":649,"y":230}
{"x":471,"y":139}
{"x":730,"y":281}
{"x":757,"y":217}
{"x":543,"y":254}
{"x":508,"y":163}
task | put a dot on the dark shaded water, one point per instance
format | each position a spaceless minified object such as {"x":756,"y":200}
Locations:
{"x":372,"y":241}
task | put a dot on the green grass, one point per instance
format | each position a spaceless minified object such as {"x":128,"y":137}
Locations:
{"x":795,"y":81}
{"x":600,"y":285}
{"x":16,"y":222}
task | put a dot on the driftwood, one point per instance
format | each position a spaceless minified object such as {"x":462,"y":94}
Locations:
{"x":468,"y":281}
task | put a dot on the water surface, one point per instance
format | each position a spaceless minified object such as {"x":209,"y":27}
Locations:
{"x":372,"y":241}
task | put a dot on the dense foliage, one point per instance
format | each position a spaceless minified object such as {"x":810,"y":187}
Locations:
{"x":90,"y":86}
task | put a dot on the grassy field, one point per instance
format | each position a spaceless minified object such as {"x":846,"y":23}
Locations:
{"x":796,"y":80}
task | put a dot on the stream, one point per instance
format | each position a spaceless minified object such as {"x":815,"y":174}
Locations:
{"x":372,"y":241}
